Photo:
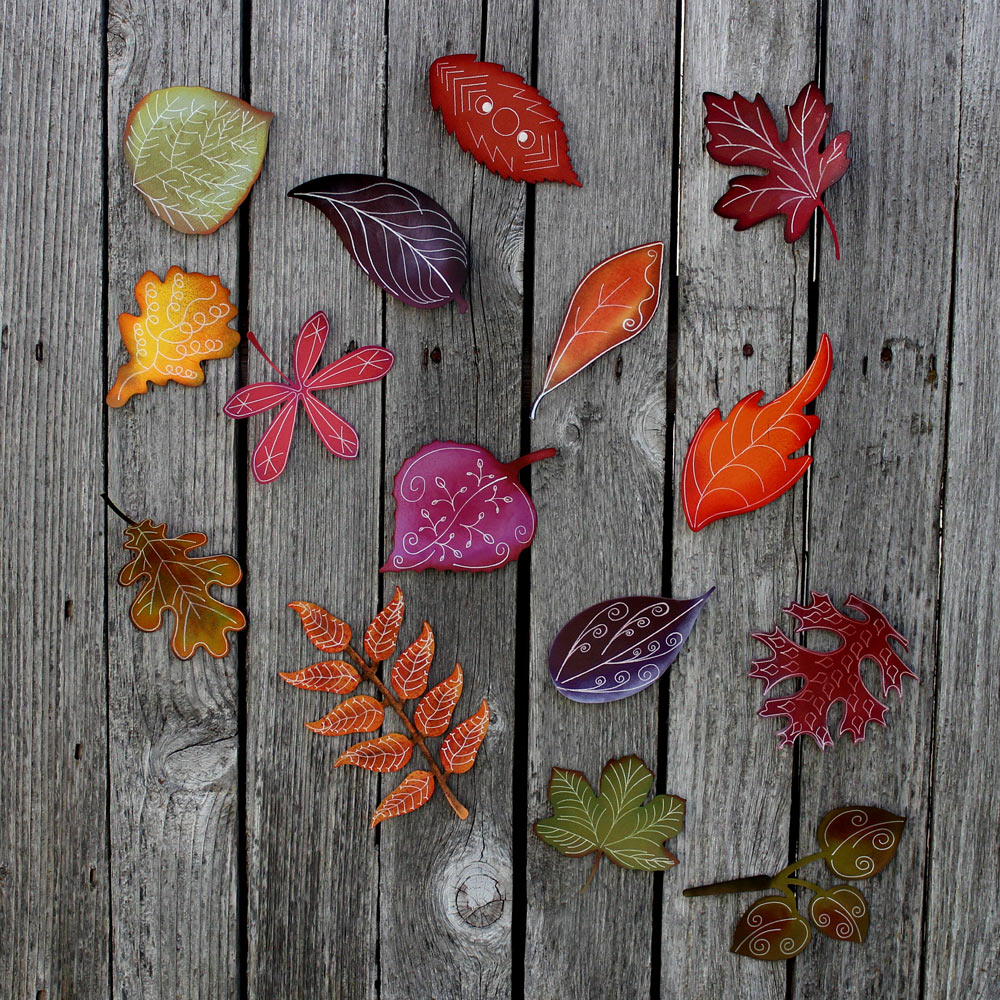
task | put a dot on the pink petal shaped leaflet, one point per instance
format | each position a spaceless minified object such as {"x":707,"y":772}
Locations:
{"x":366,"y":364}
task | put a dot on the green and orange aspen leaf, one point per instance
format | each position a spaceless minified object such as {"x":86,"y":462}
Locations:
{"x":386,"y":753}
{"x":325,"y":632}
{"x":194,"y":154}
{"x":182,"y":321}
{"x":460,"y":746}
{"x":360,"y":714}
{"x":330,"y":675}
{"x":412,"y":792}
{"x":433,"y":714}
{"x":382,"y":633}
{"x":410,"y":671}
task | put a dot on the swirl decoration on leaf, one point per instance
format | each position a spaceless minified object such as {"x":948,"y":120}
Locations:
{"x":182,"y":321}
{"x":194,"y":154}
{"x":856,"y":842}
{"x":613,"y":304}
{"x":400,"y":237}
{"x":620,"y":647}
{"x":364,"y":713}
{"x":830,"y":676}
{"x":366,"y":364}
{"x":174,"y":581}
{"x":741,"y":463}
{"x":505,"y":123}
{"x":457,"y":507}
{"x":797,"y":173}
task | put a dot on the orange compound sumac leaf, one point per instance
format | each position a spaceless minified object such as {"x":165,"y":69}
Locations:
{"x":410,"y":671}
{"x":412,"y":792}
{"x":387,"y":753}
{"x":460,"y":746}
{"x":381,"y":635}
{"x":325,"y":632}
{"x":741,"y":463}
{"x":182,"y":321}
{"x":433,"y":714}
{"x":361,"y":714}
{"x":330,"y":675}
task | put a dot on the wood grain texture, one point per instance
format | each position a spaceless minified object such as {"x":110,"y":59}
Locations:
{"x":600,"y":501}
{"x":53,"y":831}
{"x":173,"y":724}
{"x":742,"y":326}
{"x":876,"y":480}
{"x":458,"y":378}
{"x":313,"y":534}
{"x":961,"y":951}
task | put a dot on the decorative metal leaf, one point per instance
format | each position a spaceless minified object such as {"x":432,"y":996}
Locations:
{"x":325,"y":632}
{"x":386,"y":753}
{"x":460,"y":746}
{"x":330,"y":675}
{"x":618,"y":648}
{"x":771,"y":930}
{"x":409,"y":795}
{"x":410,"y":671}
{"x":433,"y":714}
{"x":840,"y":913}
{"x":400,"y":237}
{"x":860,"y":840}
{"x":360,"y":714}
{"x":382,"y":633}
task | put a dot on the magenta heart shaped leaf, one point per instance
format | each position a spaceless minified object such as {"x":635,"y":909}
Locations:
{"x":400,"y":237}
{"x":457,"y":507}
{"x":620,"y":647}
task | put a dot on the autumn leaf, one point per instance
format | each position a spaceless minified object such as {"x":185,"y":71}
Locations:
{"x":741,"y":463}
{"x":859,"y":841}
{"x":771,"y":930}
{"x":615,"y":824}
{"x":330,"y":675}
{"x":382,"y":633}
{"x":460,"y":746}
{"x":797,"y":173}
{"x":194,"y":154}
{"x":181,"y":322}
{"x":325,"y":632}
{"x":840,"y":913}
{"x":361,"y":714}
{"x":433,"y":714}
{"x":174,"y":581}
{"x":412,"y":792}
{"x":387,"y":753}
{"x":410,"y":671}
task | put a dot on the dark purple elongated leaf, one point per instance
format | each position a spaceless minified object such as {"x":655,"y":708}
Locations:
{"x":620,"y":647}
{"x":400,"y":237}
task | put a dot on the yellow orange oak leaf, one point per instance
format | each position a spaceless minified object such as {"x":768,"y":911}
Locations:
{"x":182,"y":321}
{"x":174,"y":581}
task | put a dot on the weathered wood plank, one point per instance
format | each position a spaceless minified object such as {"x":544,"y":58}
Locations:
{"x":458,"y":377}
{"x":170,"y":457}
{"x":961,"y":953}
{"x":600,"y":502}
{"x":876,"y":481}
{"x":53,"y":836}
{"x":313,"y":534}
{"x":742,"y":326}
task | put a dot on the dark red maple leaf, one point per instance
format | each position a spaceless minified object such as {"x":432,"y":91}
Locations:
{"x":830,"y":676}
{"x":745,"y":134}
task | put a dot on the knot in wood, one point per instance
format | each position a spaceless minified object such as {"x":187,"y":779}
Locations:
{"x":479,"y":900}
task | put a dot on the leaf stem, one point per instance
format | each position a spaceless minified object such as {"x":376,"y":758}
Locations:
{"x":833,"y":229}
{"x":118,"y":510}
{"x":751,"y":883}
{"x":805,"y":883}
{"x":593,"y":872}
{"x":801,"y":863}
{"x":260,"y":350}
{"x":513,"y":468}
{"x":370,"y":673}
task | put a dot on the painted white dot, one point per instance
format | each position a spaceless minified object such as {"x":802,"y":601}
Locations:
{"x":522,"y":136}
{"x":486,"y":107}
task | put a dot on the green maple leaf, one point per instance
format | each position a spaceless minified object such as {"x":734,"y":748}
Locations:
{"x":615,"y":824}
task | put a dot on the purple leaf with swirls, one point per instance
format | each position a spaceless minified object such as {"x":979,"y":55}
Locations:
{"x":620,"y":647}
{"x":400,"y":237}
{"x":457,"y":507}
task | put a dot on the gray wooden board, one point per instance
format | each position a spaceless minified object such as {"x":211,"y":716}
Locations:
{"x":876,"y":480}
{"x":961,"y":952}
{"x":742,"y":326}
{"x":53,"y":846}
{"x":600,"y":501}
{"x":313,"y":871}
{"x":446,"y":889}
{"x":173,"y":723}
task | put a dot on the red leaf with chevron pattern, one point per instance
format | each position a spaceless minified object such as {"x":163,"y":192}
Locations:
{"x":460,"y":746}
{"x":505,"y":123}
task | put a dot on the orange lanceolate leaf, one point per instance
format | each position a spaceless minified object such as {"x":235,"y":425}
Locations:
{"x":433,"y":714}
{"x":325,"y":632}
{"x":181,"y":322}
{"x":381,"y":635}
{"x":742,"y":463}
{"x":330,"y":675}
{"x":460,"y":746}
{"x":412,"y":792}
{"x":361,"y":714}
{"x":410,"y":671}
{"x":387,"y":753}
{"x":174,"y":581}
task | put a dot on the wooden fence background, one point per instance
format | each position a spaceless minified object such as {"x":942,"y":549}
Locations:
{"x":170,"y":829}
